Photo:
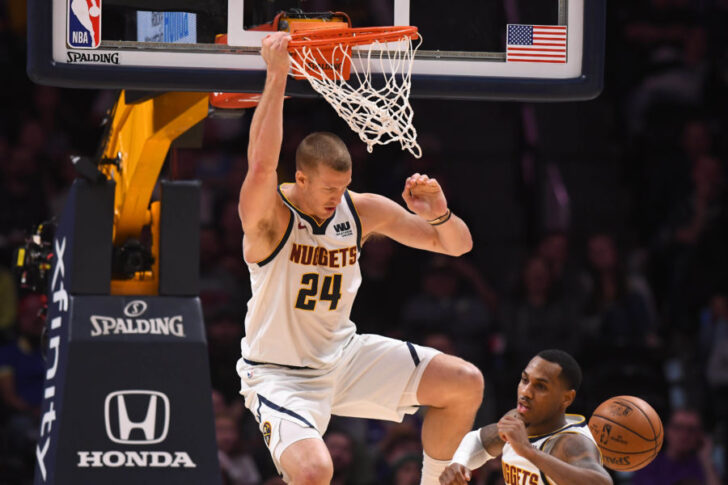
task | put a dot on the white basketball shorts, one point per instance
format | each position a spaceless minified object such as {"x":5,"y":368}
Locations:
{"x":376,"y":377}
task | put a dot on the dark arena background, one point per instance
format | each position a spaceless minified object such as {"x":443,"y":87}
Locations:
{"x":600,"y":227}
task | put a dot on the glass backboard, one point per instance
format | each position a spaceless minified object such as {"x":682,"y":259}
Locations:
{"x":504,"y":49}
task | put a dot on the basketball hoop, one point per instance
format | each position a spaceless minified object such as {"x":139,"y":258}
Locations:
{"x":378,"y":110}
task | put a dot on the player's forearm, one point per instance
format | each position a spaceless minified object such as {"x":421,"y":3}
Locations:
{"x":565,"y":473}
{"x":492,"y":442}
{"x":454,"y":236}
{"x":471,"y":452}
{"x":266,"y":127}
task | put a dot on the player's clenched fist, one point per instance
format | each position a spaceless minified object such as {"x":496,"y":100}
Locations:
{"x":455,"y":474}
{"x":512,"y":430}
{"x":423,"y":196}
{"x":274,"y":50}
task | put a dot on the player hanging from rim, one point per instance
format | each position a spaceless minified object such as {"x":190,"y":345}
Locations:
{"x":540,"y":443}
{"x":302,"y":360}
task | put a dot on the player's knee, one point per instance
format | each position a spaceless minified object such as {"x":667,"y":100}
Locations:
{"x":469,"y":383}
{"x":315,"y":472}
{"x":452,"y":382}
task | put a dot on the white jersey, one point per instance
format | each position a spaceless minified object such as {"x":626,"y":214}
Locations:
{"x":303,"y":291}
{"x":519,"y":471}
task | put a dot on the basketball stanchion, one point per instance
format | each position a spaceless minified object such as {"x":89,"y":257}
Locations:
{"x":127,"y":395}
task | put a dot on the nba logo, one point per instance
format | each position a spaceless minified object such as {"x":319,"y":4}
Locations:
{"x":84,"y":24}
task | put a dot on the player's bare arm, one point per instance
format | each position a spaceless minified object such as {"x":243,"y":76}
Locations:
{"x":492,"y":442}
{"x":430,"y":225}
{"x":570,"y":460}
{"x":262,"y":213}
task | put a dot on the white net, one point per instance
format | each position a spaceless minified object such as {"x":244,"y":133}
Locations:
{"x":376,"y":108}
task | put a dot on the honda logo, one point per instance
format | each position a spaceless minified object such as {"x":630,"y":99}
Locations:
{"x":136,"y":417}
{"x":135,"y":308}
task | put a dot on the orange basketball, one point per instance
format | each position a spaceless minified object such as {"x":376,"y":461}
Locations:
{"x":628,"y":432}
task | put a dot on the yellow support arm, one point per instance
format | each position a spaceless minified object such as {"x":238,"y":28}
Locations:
{"x":140,"y":136}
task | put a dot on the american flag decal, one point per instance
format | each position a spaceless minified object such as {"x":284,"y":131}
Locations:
{"x":536,"y":43}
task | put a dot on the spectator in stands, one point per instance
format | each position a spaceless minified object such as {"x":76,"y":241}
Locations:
{"x":341,"y":448}
{"x":401,"y":442}
{"x":224,"y":331}
{"x":714,"y":342}
{"x":453,"y":296}
{"x":377,"y":307}
{"x":686,"y":456}
{"x":22,"y":370}
{"x":673,"y":46}
{"x":618,"y":305}
{"x":237,"y":467}
{"x":714,"y":352}
{"x":22,"y":199}
{"x":554,"y":249}
{"x":693,"y":244}
{"x":661,"y":165}
{"x":407,"y":470}
{"x":21,"y":364}
{"x":441,"y":341}
{"x":534,"y":318}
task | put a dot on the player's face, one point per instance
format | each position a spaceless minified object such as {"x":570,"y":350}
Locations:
{"x":542,"y":395}
{"x":323,"y":190}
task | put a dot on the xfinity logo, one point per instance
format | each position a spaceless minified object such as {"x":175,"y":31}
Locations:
{"x":154,"y":425}
{"x":135,"y":308}
{"x":136,"y":417}
{"x":60,"y":310}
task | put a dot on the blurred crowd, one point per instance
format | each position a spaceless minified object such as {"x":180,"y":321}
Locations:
{"x":600,"y":228}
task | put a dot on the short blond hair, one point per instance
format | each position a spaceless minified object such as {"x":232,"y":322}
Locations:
{"x":322,"y":147}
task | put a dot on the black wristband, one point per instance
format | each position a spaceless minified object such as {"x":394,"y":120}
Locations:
{"x":441,"y":220}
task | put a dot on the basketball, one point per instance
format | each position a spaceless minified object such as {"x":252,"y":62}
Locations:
{"x":628,"y":432}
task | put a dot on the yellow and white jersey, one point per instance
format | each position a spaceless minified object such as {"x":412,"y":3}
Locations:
{"x":303,"y":291}
{"x":519,"y":471}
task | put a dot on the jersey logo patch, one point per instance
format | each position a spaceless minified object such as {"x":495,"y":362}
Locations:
{"x":343,"y":229}
{"x":266,"y":433}
{"x":301,"y":226}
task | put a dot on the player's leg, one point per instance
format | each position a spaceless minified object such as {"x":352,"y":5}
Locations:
{"x":453,"y":391}
{"x":385,"y":379}
{"x":307,"y":462}
{"x":292,"y":408}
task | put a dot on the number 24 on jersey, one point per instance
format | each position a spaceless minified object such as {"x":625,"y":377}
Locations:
{"x":309,"y":293}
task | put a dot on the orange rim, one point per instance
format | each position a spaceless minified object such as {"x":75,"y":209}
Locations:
{"x":234,"y":100}
{"x":349,"y":36}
